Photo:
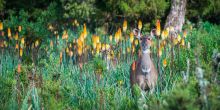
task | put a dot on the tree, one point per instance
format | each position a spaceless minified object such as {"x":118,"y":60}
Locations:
{"x":176,"y":17}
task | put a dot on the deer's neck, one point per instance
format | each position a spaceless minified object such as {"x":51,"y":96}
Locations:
{"x":146,"y":62}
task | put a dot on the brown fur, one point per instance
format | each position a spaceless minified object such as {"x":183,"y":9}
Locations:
{"x":145,"y":80}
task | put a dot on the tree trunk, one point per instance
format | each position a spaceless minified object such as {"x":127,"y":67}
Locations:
{"x":176,"y":17}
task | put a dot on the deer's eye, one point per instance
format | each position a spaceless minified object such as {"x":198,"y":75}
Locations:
{"x":141,"y":38}
{"x":148,"y":38}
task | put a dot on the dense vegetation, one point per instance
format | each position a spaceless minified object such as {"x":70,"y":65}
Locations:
{"x":53,"y":55}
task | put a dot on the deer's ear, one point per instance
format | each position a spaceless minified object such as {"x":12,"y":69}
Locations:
{"x":153,"y":33}
{"x":137,"y":33}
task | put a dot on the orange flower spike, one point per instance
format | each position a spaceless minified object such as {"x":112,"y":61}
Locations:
{"x":61,"y":57}
{"x":9,"y":32}
{"x":79,"y":50}
{"x":134,"y":65}
{"x":1,"y":26}
{"x":184,"y":33}
{"x":164,"y":63}
{"x":16,"y":46}
{"x":19,"y":68}
{"x":158,"y":28}
{"x":84,"y":30}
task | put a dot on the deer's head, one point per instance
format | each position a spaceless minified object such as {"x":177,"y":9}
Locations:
{"x":145,"y":40}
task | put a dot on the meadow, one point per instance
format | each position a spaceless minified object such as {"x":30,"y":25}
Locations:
{"x":74,"y":68}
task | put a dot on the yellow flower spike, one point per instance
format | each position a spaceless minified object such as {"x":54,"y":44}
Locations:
{"x":79,"y":50}
{"x":97,"y":51}
{"x":125,"y":25}
{"x":162,"y":45}
{"x":184,"y":33}
{"x":103,"y":47}
{"x":164,"y":62}
{"x":19,"y":28}
{"x":81,"y":38}
{"x":128,"y":50}
{"x":70,"y":45}
{"x":71,"y":53}
{"x":65,"y":35}
{"x":99,"y":46}
{"x":182,"y":42}
{"x":21,"y":52}
{"x":139,"y":24}
{"x":16,"y":36}
{"x":116,"y":37}
{"x":9,"y":32}
{"x":79,"y":43}
{"x":97,"y":39}
{"x":163,"y":35}
{"x":94,"y":45}
{"x":112,"y":53}
{"x":22,"y":41}
{"x":119,"y":31}
{"x":179,"y":38}
{"x":133,"y":48}
{"x":36,"y":43}
{"x":158,"y":28}
{"x":5,"y":44}
{"x":1,"y":26}
{"x":67,"y":50}
{"x":166,"y":33}
{"x":136,"y":42}
{"x":160,"y":51}
{"x":175,"y":41}
{"x":107,"y":46}
{"x":110,"y":38}
{"x":131,"y":37}
{"x":93,"y":52}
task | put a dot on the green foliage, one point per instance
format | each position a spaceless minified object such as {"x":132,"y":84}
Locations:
{"x":81,"y":10}
{"x":205,"y":9}
{"x":2,"y":4}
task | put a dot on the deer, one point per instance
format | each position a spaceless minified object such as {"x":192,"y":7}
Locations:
{"x":142,"y":71}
